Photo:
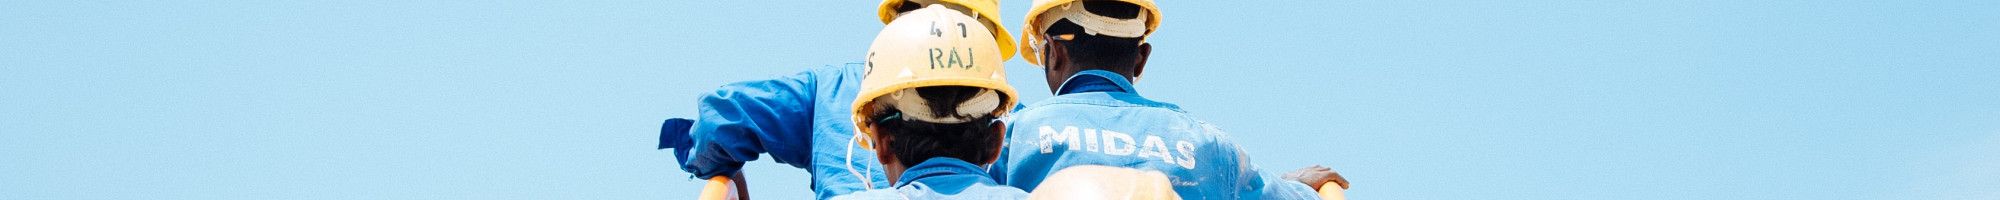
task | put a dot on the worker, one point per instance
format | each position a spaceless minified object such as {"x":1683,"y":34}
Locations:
{"x":930,"y":102}
{"x":1091,"y":52}
{"x":803,"y":120}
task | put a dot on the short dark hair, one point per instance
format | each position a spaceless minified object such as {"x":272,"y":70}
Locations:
{"x":914,"y":141}
{"x":1096,"y":51}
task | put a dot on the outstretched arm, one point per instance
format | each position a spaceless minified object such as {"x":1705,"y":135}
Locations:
{"x":741,"y":120}
{"x":1302,"y":184}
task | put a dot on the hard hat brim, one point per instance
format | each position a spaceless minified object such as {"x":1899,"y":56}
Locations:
{"x":865,"y":127}
{"x":1030,"y":33}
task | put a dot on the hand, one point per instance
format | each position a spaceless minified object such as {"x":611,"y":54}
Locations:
{"x":1316,"y":175}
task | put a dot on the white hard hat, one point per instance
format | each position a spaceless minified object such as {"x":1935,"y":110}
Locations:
{"x":931,"y":46}
{"x":986,"y":11}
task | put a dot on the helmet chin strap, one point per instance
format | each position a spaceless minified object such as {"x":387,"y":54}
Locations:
{"x":865,"y":182}
{"x":915,"y":107}
{"x":1095,"y":24}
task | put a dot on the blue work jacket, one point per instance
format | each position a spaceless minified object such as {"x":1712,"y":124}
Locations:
{"x":1098,"y":118}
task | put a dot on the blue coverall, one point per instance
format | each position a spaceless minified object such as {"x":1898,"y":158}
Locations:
{"x":1098,"y":118}
{"x":943,"y":178}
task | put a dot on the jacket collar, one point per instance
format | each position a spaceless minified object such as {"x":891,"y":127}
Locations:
{"x":945,"y":175}
{"x":1096,"y":81}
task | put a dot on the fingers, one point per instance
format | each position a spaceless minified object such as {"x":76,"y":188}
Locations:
{"x":1317,"y":175}
{"x":1311,"y":176}
{"x":1337,"y":179}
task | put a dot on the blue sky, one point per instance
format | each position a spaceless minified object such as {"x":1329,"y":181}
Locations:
{"x":1409,"y":99}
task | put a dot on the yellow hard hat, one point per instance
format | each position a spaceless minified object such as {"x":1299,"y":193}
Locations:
{"x":1031,"y":37}
{"x":1105,"y":182}
{"x":931,"y":46}
{"x":987,"y":11}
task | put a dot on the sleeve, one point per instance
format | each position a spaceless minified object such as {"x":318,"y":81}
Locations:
{"x":1279,"y":188}
{"x":1256,"y":181}
{"x":741,"y":120}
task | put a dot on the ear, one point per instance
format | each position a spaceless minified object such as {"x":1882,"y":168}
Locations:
{"x":1139,"y":61}
{"x":999,"y":143}
{"x":881,"y":147}
{"x":1055,"y":57}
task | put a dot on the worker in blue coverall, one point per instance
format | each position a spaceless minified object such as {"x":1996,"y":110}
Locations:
{"x":801,"y":120}
{"x":930,"y":106}
{"x":741,"y":120}
{"x":1091,"y":52}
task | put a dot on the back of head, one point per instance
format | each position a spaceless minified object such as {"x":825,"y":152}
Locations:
{"x":1106,"y":31}
{"x":930,"y":126}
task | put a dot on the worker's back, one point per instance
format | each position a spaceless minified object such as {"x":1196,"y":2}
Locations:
{"x":1114,"y":126}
